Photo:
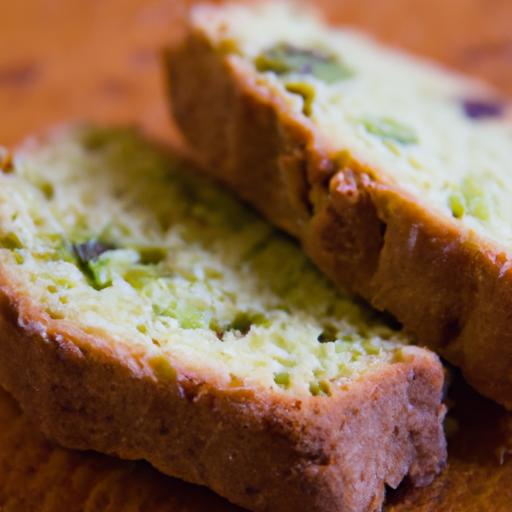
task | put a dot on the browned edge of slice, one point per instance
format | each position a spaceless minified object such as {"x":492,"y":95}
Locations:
{"x":450,"y":289}
{"x":35,"y":473}
{"x":261,"y":449}
{"x":38,"y":475}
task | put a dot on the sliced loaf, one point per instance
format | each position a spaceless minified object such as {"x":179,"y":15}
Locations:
{"x":145,"y":313}
{"x":395,"y":175}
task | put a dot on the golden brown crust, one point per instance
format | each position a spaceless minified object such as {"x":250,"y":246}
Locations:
{"x":259,"y":449}
{"x":479,"y":474}
{"x":444,"y":285}
{"x":35,"y":474}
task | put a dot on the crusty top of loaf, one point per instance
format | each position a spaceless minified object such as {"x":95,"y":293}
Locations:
{"x":107,"y":233}
{"x":440,"y":137}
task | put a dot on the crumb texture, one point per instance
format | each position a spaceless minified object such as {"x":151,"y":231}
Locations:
{"x":101,"y":230}
{"x":147,"y":314}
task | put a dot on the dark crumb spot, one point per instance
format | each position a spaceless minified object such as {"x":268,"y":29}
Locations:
{"x":163,"y":430}
{"x":47,"y":189}
{"x":251,"y":490}
{"x":19,"y":75}
{"x":328,"y":335}
{"x":284,"y":58}
{"x":242,"y":327}
{"x":483,"y":109}
{"x":243,"y":322}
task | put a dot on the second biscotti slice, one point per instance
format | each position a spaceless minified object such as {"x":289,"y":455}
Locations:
{"x":395,"y":175}
{"x":146,"y":313}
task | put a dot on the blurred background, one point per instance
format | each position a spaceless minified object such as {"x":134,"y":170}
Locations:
{"x":61,"y":59}
{"x":67,"y":60}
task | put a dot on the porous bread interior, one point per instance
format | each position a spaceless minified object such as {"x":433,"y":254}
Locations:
{"x":221,"y":290}
{"x":457,"y":165}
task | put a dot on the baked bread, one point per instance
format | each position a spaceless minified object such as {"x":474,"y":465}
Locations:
{"x":393,"y":173}
{"x":147,"y":314}
{"x":36,"y":474}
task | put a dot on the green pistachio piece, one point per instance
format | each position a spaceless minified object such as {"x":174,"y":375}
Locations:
{"x":307,"y":91}
{"x":325,"y":386}
{"x":56,"y":248}
{"x":64,"y":252}
{"x":151,"y":254}
{"x":100,"y":261}
{"x":138,"y":275}
{"x":162,"y":367}
{"x":189,"y":314}
{"x":44,"y":186}
{"x":282,"y":379}
{"x":285,"y":59}
{"x":103,"y":269}
{"x":244,"y":320}
{"x":320,"y":388}
{"x":193,"y":318}
{"x":19,"y":257}
{"x":11,"y":241}
{"x":389,"y":129}
{"x":457,"y":204}
{"x":314,"y":389}
{"x":370,"y":348}
{"x":479,"y":208}
{"x":476,"y":200}
{"x":470,"y":199}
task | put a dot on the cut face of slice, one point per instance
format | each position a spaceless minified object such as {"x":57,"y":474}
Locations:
{"x":392,"y":172}
{"x":103,"y":232}
{"x":441,"y":138}
{"x":145,"y":312}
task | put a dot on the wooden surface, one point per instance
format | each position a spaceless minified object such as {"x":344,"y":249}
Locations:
{"x":66,"y":60}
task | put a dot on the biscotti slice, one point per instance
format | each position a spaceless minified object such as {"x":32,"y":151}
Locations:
{"x":395,"y":175}
{"x":147,"y":314}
